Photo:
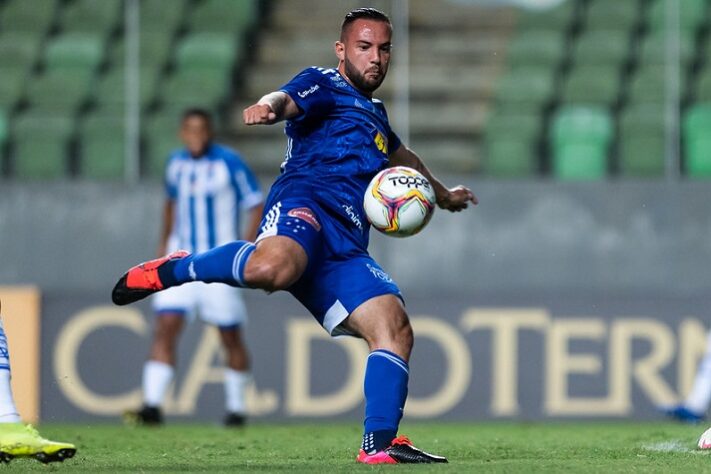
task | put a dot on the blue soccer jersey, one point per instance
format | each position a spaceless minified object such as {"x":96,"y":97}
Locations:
{"x":336,"y":145}
{"x":209,"y":193}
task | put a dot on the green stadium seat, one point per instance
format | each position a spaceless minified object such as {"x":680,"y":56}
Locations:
{"x":19,"y":50}
{"x":648,"y":85}
{"x":111,"y":89}
{"x":580,"y":138}
{"x":212,"y":50}
{"x":161,"y":136}
{"x":60,"y":89}
{"x":641,"y":155}
{"x":528,"y":87}
{"x":156,"y":19}
{"x":40,"y":145}
{"x":697,"y":140}
{"x":3,"y":128}
{"x":612,"y":14}
{"x":228,"y":16}
{"x":607,"y":48}
{"x":691,"y":14}
{"x":643,"y":118}
{"x":154,"y":50}
{"x":205,"y":86}
{"x":27,"y":16}
{"x":510,"y":159}
{"x":102,"y":147}
{"x":557,"y":18}
{"x":98,"y":17}
{"x":703,"y":86}
{"x":653,"y":49}
{"x":80,"y":50}
{"x":536,"y":48}
{"x":591,"y":85}
{"x":510,"y":140}
{"x":12,"y":85}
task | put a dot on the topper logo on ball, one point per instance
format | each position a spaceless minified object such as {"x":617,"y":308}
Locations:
{"x":409,"y":181}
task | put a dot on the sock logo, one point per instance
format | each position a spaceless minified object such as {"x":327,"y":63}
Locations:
{"x":191,"y":271}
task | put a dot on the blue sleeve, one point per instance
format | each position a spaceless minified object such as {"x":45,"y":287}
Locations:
{"x":171,"y":179}
{"x":309,"y":93}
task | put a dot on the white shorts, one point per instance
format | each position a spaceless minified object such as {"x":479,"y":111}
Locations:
{"x":214,"y":303}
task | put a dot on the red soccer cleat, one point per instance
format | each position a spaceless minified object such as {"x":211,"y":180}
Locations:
{"x":400,"y":451}
{"x":142,"y":280}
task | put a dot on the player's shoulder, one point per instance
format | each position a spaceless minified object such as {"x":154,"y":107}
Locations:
{"x":226,"y":154}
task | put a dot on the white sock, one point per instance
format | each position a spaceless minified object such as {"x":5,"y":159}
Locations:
{"x":8,"y":411}
{"x":700,"y":396}
{"x":235,"y":387}
{"x":156,"y":379}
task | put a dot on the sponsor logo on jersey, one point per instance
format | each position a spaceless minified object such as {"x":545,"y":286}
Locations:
{"x":308,"y":91}
{"x":381,"y":142}
{"x":353,"y":216}
{"x":305,"y":214}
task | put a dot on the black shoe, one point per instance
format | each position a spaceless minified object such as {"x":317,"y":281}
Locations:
{"x":400,"y":451}
{"x":149,"y":416}
{"x":235,"y":420}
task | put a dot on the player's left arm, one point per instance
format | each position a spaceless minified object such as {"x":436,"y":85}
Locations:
{"x":253,"y":220}
{"x":452,"y":199}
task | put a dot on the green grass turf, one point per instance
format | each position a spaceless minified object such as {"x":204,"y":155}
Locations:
{"x":330,"y":447}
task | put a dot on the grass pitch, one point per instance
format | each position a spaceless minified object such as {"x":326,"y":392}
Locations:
{"x":329,"y":447}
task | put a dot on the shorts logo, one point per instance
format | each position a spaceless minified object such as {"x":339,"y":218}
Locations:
{"x":305,"y":214}
{"x":379,"y":274}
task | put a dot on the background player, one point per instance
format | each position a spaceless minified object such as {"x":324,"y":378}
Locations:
{"x":208,"y":185}
{"x":17,"y":439}
{"x":309,"y":242}
{"x":696,"y":404}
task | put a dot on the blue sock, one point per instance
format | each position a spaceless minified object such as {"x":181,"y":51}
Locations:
{"x":224,"y":264}
{"x":386,"y":376}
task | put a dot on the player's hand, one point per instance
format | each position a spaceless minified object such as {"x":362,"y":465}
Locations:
{"x":457,"y":199}
{"x":259,"y":114}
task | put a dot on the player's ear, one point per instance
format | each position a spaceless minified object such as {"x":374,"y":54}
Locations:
{"x":340,"y":50}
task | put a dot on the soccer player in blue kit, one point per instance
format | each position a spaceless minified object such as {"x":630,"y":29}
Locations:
{"x":314,"y":235}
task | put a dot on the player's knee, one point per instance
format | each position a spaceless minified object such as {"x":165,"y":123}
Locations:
{"x":270,"y":274}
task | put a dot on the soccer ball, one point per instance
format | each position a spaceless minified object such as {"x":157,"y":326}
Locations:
{"x":399,"y":201}
{"x":705,"y":440}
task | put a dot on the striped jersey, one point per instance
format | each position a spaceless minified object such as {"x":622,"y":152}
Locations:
{"x":209,"y":193}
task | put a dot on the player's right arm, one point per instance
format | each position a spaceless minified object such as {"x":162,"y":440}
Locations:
{"x":271,"y":108}
{"x":167,"y":225}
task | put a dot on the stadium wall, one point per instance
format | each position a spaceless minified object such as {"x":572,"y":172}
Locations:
{"x":548,"y":301}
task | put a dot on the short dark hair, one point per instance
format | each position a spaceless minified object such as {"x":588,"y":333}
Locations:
{"x":367,"y":13}
{"x":197,"y":112}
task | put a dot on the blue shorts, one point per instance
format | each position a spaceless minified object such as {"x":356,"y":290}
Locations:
{"x":340,"y":275}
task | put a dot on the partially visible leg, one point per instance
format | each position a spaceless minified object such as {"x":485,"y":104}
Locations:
{"x":158,"y":371}
{"x":698,"y":400}
{"x":16,"y":439}
{"x":237,"y":376}
{"x":383,"y":323}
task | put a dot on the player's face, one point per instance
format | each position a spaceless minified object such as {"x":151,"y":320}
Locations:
{"x":196,"y":134}
{"x":364,"y":53}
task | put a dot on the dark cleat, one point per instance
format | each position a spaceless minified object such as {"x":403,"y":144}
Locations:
{"x":142,"y":280}
{"x":400,"y":451}
{"x":235,"y":420}
{"x":147,"y":416}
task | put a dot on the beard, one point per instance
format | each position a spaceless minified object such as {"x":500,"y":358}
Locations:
{"x":360,"y":80}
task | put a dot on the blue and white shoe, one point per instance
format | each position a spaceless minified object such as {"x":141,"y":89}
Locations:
{"x":683,"y":414}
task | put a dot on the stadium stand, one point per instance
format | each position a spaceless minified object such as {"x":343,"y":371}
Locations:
{"x":610,"y":58}
{"x":580,"y":138}
{"x":696,"y":126}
